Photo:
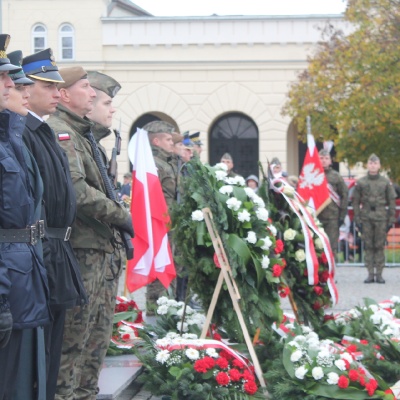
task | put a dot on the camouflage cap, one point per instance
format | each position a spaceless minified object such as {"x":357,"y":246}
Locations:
{"x":103,"y":83}
{"x":373,"y":157}
{"x":159,"y":127}
{"x":324,"y":152}
{"x":70,"y":76}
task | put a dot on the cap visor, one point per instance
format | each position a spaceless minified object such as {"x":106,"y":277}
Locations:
{"x":50,"y":76}
{"x":23,"y":81}
{"x":13,"y":69}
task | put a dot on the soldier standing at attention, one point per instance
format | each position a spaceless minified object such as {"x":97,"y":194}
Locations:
{"x":91,"y":236}
{"x":65,"y":282}
{"x":332,"y":216}
{"x":374,"y":213}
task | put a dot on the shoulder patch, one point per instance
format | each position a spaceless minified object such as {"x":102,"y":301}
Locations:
{"x":64,"y":136}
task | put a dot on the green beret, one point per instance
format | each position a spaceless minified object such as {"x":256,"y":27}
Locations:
{"x":103,"y":83}
{"x":71,"y":75}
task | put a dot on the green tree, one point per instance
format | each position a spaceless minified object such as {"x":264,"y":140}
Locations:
{"x":352,"y":83}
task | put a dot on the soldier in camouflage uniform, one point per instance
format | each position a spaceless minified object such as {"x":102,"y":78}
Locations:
{"x":91,"y":238}
{"x":332,"y":216}
{"x":374,"y":213}
{"x":162,"y":145}
{"x":228,"y":161}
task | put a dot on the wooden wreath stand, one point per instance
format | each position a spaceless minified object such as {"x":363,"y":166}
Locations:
{"x":226,"y":275}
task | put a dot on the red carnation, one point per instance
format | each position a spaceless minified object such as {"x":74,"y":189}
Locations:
{"x":222,"y":363}
{"x":276,"y":270}
{"x":373,"y":383}
{"x":346,"y":363}
{"x":323,"y":258}
{"x":284,"y":291}
{"x":226,"y":355}
{"x":353,"y":375}
{"x":250,"y":387}
{"x":362,"y":380}
{"x":222,"y":378}
{"x":234,"y":374}
{"x":328,"y":317}
{"x":370,"y":388}
{"x":217,"y":336}
{"x":352,"y":348}
{"x":122,"y":307}
{"x":343,"y":382}
{"x":200,"y":366}
{"x":363,"y":341}
{"x":248,"y":376}
{"x":237,"y":364}
{"x":323,"y":276}
{"x":318,"y":290}
{"x":139,"y":318}
{"x":209,"y":361}
{"x":279,"y":246}
{"x":126,"y":336}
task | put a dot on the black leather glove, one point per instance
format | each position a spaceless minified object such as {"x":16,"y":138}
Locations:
{"x":359,"y":227}
{"x":6,"y":321}
{"x":127,"y":227}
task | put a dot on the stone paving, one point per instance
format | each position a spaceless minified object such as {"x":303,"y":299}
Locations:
{"x":351,"y":289}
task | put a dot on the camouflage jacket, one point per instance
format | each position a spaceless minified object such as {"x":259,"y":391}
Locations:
{"x":167,"y":169}
{"x":374,"y":198}
{"x":95,"y":211}
{"x":333,"y":210}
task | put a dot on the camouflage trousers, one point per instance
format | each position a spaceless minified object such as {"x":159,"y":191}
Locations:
{"x":374,"y":237}
{"x":331,"y":228}
{"x":88,"y":329}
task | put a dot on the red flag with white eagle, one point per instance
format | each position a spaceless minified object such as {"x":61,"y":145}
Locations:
{"x":313,"y":186}
{"x":153,"y":256}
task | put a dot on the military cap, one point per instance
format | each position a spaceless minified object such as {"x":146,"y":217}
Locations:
{"x":5,"y":64}
{"x":275,"y":161}
{"x":128,"y":175}
{"x":373,"y":157}
{"x":18,"y":77}
{"x":226,"y":156}
{"x":103,"y":83}
{"x":159,"y":127}
{"x":324,"y":152}
{"x":177,"y":138}
{"x":187,"y":142}
{"x":71,"y":75}
{"x":42,"y":66}
{"x":195,"y":138}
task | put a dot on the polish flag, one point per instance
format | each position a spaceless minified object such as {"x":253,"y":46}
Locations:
{"x":153,"y":257}
{"x":313,"y":186}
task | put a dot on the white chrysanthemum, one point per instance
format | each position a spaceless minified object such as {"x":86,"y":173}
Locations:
{"x":300,"y":339}
{"x":340,"y":364}
{"x":300,"y":255}
{"x":300,"y":372}
{"x":243,"y":216}
{"x":162,"y":300}
{"x":197,"y":215}
{"x":381,"y":317}
{"x":318,"y":243}
{"x":212,"y":353}
{"x":233,"y":203}
{"x":296,"y":356}
{"x":162,"y":356}
{"x":325,"y":358}
{"x":305,"y":329}
{"x":354,"y":313}
{"x":174,"y":303}
{"x":226,"y":189}
{"x":250,"y":192}
{"x":163,"y":342}
{"x":221,"y":166}
{"x":220,"y":175}
{"x":395,"y":299}
{"x":162,"y":310}
{"x":265,"y":262}
{"x":267,"y":243}
{"x":273,"y":230}
{"x":179,"y":312}
{"x":294,"y":344}
{"x":251,"y":237}
{"x":374,"y":307}
{"x":192,"y":354}
{"x":239,"y":180}
{"x":333,"y":378}
{"x":191,"y":336}
{"x":262,"y":214}
{"x":313,"y":344}
{"x":182,"y":327}
{"x":346,"y":356}
{"x":340,"y":321}
{"x":257,"y":200}
{"x":317,"y":373}
{"x":289,"y":234}
{"x":312,"y":336}
{"x":171,"y":335}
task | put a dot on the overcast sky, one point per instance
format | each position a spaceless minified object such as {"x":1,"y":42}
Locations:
{"x":162,"y":8}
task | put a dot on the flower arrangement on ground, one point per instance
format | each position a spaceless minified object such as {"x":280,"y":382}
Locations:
{"x":249,"y":239}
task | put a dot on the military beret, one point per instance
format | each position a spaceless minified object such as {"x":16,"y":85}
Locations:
{"x":373,"y":157}
{"x":177,"y":138}
{"x":42,"y":66}
{"x":324,"y":152}
{"x":103,"y":83}
{"x":18,"y":77}
{"x":5,"y":64}
{"x":159,"y":127}
{"x":71,"y":75}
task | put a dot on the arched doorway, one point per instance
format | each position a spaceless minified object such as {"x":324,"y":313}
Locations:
{"x":236,"y":134}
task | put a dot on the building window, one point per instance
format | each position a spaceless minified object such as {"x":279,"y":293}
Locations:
{"x":39,"y":38}
{"x":66,"y":42}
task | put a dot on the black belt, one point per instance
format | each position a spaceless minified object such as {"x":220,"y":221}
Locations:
{"x":59,"y":233}
{"x":31,"y":234}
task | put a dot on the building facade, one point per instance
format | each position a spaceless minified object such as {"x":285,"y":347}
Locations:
{"x":225,"y":76}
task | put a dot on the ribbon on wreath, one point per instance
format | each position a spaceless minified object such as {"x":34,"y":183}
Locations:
{"x":308,"y":225}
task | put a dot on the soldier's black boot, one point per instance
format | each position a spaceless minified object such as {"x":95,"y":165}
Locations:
{"x":370,"y":278}
{"x":379,"y":278}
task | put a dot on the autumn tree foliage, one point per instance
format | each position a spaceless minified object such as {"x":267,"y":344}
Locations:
{"x":351,"y":88}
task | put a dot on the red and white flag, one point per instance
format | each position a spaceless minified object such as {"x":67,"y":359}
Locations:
{"x":153,"y":257}
{"x":313,"y":186}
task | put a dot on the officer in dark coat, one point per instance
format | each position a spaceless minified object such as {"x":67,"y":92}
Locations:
{"x":66,"y":287}
{"x":23,"y":281}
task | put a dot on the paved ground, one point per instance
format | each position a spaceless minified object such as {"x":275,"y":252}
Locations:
{"x":351,"y":289}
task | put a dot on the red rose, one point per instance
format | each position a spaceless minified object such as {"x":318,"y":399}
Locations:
{"x":250,"y":387}
{"x":277,"y":270}
{"x":279,"y":246}
{"x":323,"y":276}
{"x":222,"y":362}
{"x":318,"y":290}
{"x":323,"y":258}
{"x":222,"y":378}
{"x":343,"y":382}
{"x":122,"y":307}
{"x":353,"y":375}
{"x":234,"y":374}
{"x":317,"y":305}
{"x":200,"y":366}
{"x":248,"y":376}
